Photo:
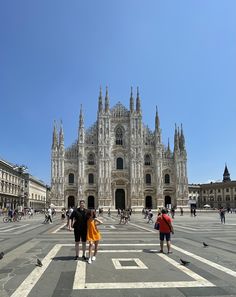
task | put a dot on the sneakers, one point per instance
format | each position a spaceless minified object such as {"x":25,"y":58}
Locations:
{"x":89,"y":261}
{"x":76,"y":258}
{"x":84,"y":258}
{"x":93,"y":258}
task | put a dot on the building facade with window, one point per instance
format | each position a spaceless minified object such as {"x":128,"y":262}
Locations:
{"x":12,"y":188}
{"x":36,"y":190}
{"x":218,"y":194}
{"x":194,"y":192}
{"x":20,"y":189}
{"x":119,"y":162}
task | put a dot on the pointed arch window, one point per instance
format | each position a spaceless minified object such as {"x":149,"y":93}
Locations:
{"x":119,"y":163}
{"x":91,"y":159}
{"x":119,"y":136}
{"x":148,"y":179}
{"x":167,"y":178}
{"x":71,"y":178}
{"x":147,"y":160}
{"x":91,"y":178}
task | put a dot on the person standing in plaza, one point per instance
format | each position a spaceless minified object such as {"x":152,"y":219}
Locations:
{"x":222,"y":215}
{"x":93,"y":234}
{"x":50,"y":215}
{"x":165,"y":230}
{"x":78,"y":220}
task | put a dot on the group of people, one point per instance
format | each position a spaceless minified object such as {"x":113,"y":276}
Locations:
{"x":84,"y":222}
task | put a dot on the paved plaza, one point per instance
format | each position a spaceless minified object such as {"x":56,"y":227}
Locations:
{"x":128,"y":262}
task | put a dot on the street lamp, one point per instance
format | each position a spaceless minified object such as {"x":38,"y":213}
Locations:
{"x":21,"y":169}
{"x":80,"y":192}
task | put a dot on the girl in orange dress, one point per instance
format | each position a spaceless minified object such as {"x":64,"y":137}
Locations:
{"x":93,"y":235}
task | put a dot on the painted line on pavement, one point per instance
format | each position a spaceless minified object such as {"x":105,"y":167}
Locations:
{"x":205,"y":261}
{"x":187,"y":228}
{"x":62,"y":226}
{"x":6,"y":227}
{"x":117,"y":264}
{"x":80,"y":275}
{"x":80,"y":279}
{"x":17,"y":252}
{"x":120,"y":251}
{"x":117,"y":244}
{"x":118,"y":232}
{"x":27,"y":285}
{"x":144,"y":228}
{"x":186,"y":270}
{"x":147,"y":285}
{"x":13,"y":229}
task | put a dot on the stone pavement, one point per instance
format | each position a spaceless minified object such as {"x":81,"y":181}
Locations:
{"x":128,"y":262}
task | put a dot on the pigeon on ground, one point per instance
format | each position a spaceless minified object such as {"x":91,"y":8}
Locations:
{"x":1,"y":255}
{"x":205,"y":244}
{"x":39,"y":263}
{"x":184,"y":262}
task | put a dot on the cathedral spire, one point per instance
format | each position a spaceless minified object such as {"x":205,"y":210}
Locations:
{"x":226,"y":175}
{"x":81,"y":118}
{"x":157,"y":121}
{"x":131,"y":104}
{"x":168,"y":151}
{"x":107,"y":103}
{"x":81,"y":134}
{"x":54,"y":137}
{"x":61,"y":136}
{"x":100,"y":107}
{"x":157,"y":128}
{"x":176,"y":140}
{"x":182,"y":139}
{"x":168,"y":147}
{"x":138,"y":102}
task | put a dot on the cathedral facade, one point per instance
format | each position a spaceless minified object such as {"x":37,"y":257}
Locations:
{"x":119,"y":162}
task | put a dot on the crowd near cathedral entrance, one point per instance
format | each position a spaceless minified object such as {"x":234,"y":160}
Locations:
{"x":119,"y":162}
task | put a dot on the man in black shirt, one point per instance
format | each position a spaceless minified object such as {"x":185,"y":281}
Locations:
{"x":78,"y":220}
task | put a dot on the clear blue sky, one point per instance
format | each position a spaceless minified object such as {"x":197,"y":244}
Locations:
{"x":54,"y":55}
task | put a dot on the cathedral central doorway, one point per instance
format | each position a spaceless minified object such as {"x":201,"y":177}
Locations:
{"x":167,"y":201}
{"x":91,"y":204}
{"x":120,"y":199}
{"x":71,"y":201}
{"x":148,"y":203}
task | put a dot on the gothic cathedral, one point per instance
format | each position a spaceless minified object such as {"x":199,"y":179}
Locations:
{"x":119,"y":162}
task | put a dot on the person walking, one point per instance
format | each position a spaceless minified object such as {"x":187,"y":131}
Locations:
{"x":165,"y":230}
{"x":93,"y":234}
{"x":222,"y":215}
{"x":150,"y":216}
{"x":78,"y":220}
{"x":50,"y":215}
{"x":172,"y":212}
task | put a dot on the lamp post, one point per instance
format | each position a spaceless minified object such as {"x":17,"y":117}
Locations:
{"x":21,"y":169}
{"x":80,"y":192}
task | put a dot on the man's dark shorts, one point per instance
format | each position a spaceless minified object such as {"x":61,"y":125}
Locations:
{"x":164,"y":235}
{"x":80,"y":235}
